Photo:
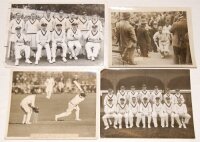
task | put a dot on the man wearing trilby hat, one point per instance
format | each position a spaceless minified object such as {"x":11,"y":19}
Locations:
{"x":126,"y":37}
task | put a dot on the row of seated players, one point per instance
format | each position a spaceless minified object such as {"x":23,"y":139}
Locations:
{"x":141,"y":106}
{"x":43,"y":37}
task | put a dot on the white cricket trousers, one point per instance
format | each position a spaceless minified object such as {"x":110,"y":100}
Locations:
{"x":39,"y":51}
{"x":108,"y":116}
{"x":185,"y":116}
{"x":54,"y":48}
{"x":19,"y":48}
{"x":74,"y":47}
{"x":120,"y":116}
{"x":137,"y":116}
{"x":155,"y":118}
{"x":28,"y":112}
{"x":92,"y":49}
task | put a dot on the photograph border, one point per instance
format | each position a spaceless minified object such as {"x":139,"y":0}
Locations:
{"x":97,"y":107}
{"x":153,"y":9}
{"x":105,"y":41}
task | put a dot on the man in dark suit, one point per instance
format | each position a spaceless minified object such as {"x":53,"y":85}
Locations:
{"x":179,"y":30}
{"x":126,"y":37}
{"x":144,"y":40}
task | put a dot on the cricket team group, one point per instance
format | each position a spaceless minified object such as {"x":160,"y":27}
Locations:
{"x":75,"y":35}
{"x":144,"y":105}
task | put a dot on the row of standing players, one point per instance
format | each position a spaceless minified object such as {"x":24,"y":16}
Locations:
{"x":140,"y":105}
{"x":70,"y":34}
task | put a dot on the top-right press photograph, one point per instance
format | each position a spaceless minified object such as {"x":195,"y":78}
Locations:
{"x":151,"y":37}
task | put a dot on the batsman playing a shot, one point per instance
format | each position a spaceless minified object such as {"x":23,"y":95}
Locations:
{"x":28,"y":106}
{"x":73,"y":105}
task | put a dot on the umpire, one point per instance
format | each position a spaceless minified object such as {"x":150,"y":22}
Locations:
{"x":126,"y":38}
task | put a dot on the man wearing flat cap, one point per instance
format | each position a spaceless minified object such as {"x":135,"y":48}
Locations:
{"x":126,"y":38}
{"x":144,"y":39}
{"x":58,"y":39}
{"x":73,"y":37}
{"x":43,"y":38}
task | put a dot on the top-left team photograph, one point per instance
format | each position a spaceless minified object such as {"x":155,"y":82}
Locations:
{"x":55,"y":35}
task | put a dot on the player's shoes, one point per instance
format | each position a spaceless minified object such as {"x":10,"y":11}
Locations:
{"x":107,"y":127}
{"x":75,"y":58}
{"x":115,"y":126}
{"x":78,"y":119}
{"x":120,"y":126}
{"x":93,"y":59}
{"x":127,"y":126}
{"x":131,"y":126}
{"x":50,"y":62}
{"x":144,"y":126}
{"x":53,"y":60}
{"x":64,"y":59}
{"x":36,"y":62}
{"x":28,"y":61}
{"x":17,"y":63}
{"x":149,"y":126}
{"x":28,"y":123}
{"x":137,"y":125}
{"x":167,"y":126}
{"x":156,"y":125}
{"x":172,"y":125}
{"x":184,"y":126}
{"x":180,"y":126}
{"x":56,"y":118}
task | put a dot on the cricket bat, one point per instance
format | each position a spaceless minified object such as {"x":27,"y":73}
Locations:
{"x":78,"y":85}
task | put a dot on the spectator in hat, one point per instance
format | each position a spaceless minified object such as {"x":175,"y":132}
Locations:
{"x":73,"y":37}
{"x":58,"y":39}
{"x":143,"y":37}
{"x":20,"y":44}
{"x":179,"y":30}
{"x":43,"y":38}
{"x":126,"y":38}
{"x":93,"y":45}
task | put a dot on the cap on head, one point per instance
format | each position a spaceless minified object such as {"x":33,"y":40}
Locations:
{"x":177,"y":90}
{"x":110,"y":100}
{"x":157,"y":98}
{"x":84,"y":13}
{"x":126,"y":15}
{"x":43,"y":24}
{"x":122,"y":99}
{"x":74,"y":23}
{"x":168,"y":98}
{"x":61,"y":11}
{"x":18,"y":28}
{"x":145,"y":98}
{"x":83,"y":94}
{"x":94,"y":26}
{"x":58,"y":25}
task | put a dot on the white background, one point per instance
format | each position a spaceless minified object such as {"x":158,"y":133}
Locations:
{"x":195,"y":73}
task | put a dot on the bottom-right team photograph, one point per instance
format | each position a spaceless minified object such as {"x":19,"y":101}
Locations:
{"x":147,"y":103}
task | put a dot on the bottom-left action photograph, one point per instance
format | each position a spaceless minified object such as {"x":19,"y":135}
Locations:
{"x":52,"y":105}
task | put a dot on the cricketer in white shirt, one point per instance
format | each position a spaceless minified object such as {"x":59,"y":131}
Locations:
{"x":93,"y":45}
{"x":73,"y":105}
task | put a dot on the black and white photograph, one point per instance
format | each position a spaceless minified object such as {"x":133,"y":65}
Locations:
{"x":146,"y":104}
{"x":52,"y":105}
{"x":55,"y":35}
{"x":151,"y":37}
